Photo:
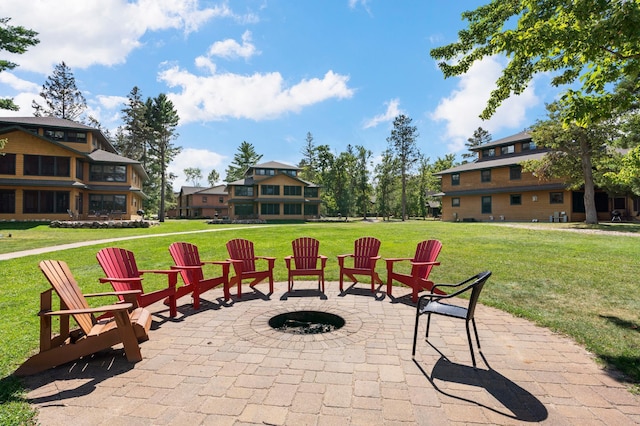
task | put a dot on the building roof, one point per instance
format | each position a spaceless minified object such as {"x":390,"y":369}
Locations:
{"x":274,"y":165}
{"x":490,"y":164}
{"x":518,"y":137}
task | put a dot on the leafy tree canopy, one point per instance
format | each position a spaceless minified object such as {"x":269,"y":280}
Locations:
{"x":592,"y":42}
{"x":13,"y":39}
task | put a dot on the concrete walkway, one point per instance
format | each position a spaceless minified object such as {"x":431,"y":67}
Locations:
{"x":224,"y":365}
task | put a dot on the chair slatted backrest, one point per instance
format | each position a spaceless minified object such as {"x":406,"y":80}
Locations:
{"x":477,"y":285}
{"x":305,"y":252}
{"x":365,"y":248}
{"x":426,"y":251}
{"x":186,"y":254}
{"x":63,"y":282}
{"x":241,"y":249}
{"x":119,"y":263}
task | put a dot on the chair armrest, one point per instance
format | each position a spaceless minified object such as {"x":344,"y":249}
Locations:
{"x":159,"y":271}
{"x":114,"y":293}
{"x":396,"y":259}
{"x":109,"y":279}
{"x":108,"y":308}
{"x":344,"y":255}
{"x":425,"y":263}
{"x":186,"y":267}
{"x":216,"y":262}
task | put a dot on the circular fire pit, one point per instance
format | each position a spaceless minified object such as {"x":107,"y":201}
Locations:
{"x":306,"y":322}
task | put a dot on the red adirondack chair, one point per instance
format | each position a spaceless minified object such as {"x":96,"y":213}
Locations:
{"x":121,"y":270}
{"x":305,"y":261}
{"x":365,"y":256}
{"x":127,"y":323}
{"x":421,"y":265}
{"x":243,"y":259}
{"x":188,"y":262}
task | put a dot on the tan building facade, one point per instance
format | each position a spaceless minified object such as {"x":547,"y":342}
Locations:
{"x":56,"y":169}
{"x":495,"y":188}
{"x":273,"y":191}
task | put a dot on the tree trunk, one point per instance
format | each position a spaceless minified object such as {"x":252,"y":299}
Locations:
{"x":589,"y":187}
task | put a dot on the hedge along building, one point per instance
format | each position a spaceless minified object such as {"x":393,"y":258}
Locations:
{"x":494,"y":187}
{"x":55,"y":169}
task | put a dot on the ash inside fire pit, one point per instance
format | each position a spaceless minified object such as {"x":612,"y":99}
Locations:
{"x":306,"y":322}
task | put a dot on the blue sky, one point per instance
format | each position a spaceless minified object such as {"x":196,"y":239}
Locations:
{"x":269,"y":71}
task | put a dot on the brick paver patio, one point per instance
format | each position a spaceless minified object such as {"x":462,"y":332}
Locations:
{"x":224,"y":365}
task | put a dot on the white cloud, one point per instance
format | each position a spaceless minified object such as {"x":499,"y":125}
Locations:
{"x":90,"y":32}
{"x":255,"y":97}
{"x":201,"y":158}
{"x":461,"y":109}
{"x":232,"y":49}
{"x":389,"y":115}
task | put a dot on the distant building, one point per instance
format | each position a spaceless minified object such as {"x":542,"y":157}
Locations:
{"x":54,"y":169}
{"x":273,"y":191}
{"x":494,"y":187}
{"x":199,"y":202}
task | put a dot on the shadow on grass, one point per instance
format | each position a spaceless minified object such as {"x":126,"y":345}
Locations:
{"x":518,"y":403}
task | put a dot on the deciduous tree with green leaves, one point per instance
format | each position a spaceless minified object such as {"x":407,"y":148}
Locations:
{"x":61,"y":96}
{"x":213,"y":177}
{"x":586,"y":46}
{"x":193,"y":174}
{"x":13,"y":39}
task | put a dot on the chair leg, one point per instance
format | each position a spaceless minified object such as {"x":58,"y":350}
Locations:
{"x":426,"y":334}
{"x":415,"y":332}
{"x":475,"y":330}
{"x":473,"y":357}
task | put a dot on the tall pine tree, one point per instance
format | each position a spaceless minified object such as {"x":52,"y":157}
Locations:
{"x":61,"y":96}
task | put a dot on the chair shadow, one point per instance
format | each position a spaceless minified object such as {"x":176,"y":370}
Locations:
{"x":364,"y":291}
{"x":303,"y":293}
{"x":622,"y":323}
{"x":88,"y":372}
{"x":405,"y":300}
{"x":518,"y":403}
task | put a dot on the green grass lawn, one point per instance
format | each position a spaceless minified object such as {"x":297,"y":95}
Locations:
{"x":581,"y":284}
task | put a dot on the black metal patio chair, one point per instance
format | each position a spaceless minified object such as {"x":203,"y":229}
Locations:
{"x":434,"y":305}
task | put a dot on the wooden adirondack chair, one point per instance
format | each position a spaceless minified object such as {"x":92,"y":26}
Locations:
{"x":127,"y":324}
{"x":365,"y":256}
{"x":122,"y":272}
{"x":305,"y":261}
{"x":243,"y":259}
{"x":188,"y":262}
{"x":421,"y":265}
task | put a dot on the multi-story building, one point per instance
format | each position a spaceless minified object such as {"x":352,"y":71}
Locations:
{"x":494,"y":187}
{"x":55,"y":169}
{"x":202,"y":202}
{"x":273,"y":191}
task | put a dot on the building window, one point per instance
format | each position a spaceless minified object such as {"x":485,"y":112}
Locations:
{"x":107,"y":173}
{"x":8,"y":164}
{"x":509,"y":149}
{"x":265,"y":172}
{"x":310,"y":209}
{"x":269,"y":208}
{"x":45,"y":201}
{"x":455,"y":179}
{"x":221,"y":200}
{"x":243,"y":209}
{"x":46,"y":165}
{"x":488,"y":152}
{"x":292,"y":190}
{"x":7,"y":201}
{"x":292,"y":173}
{"x":311,"y":192}
{"x":485,"y":175}
{"x":620,"y":203}
{"x":244,"y":191}
{"x":270,"y":189}
{"x":515,"y":172}
{"x":204,"y":200}
{"x":516,"y":199}
{"x":67,"y":136}
{"x":107,"y":203}
{"x":79,"y":169}
{"x":556,"y":198}
{"x":292,"y":209}
{"x":455,"y":202}
{"x":486,"y":205}
{"x":528,"y":146}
